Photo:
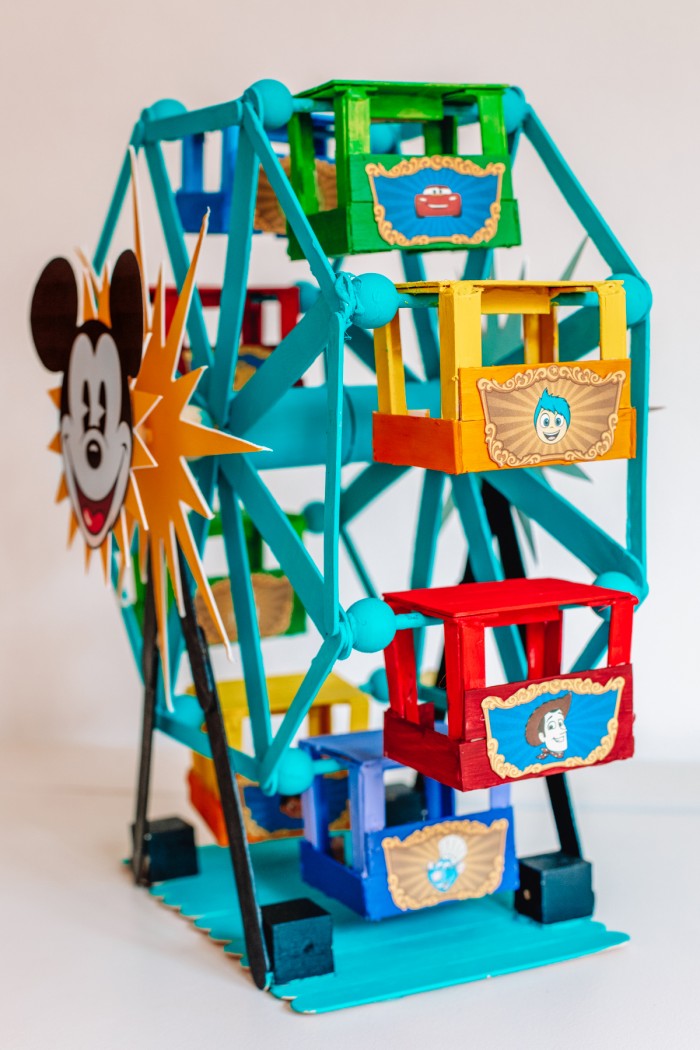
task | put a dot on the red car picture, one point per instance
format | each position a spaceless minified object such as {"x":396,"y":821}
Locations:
{"x":438,"y":201}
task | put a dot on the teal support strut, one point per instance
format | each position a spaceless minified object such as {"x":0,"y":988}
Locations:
{"x":425,"y":545}
{"x":179,"y":259}
{"x":233,"y":288}
{"x":486,"y":566}
{"x":246,"y":618}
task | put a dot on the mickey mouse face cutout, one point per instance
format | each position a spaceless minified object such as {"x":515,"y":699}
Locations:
{"x":97,"y":361}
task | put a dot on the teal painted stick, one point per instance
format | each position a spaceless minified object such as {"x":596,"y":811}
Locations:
{"x":576,"y":197}
{"x":594,"y":648}
{"x":532,"y":495}
{"x":478,"y":265}
{"x":331,"y":509}
{"x":578,"y":335}
{"x":418,"y":300}
{"x":371,"y":483}
{"x":189,"y":732}
{"x":637,"y":467}
{"x":292,"y":557}
{"x":196,"y":122}
{"x":246,"y":618}
{"x":131,"y":623}
{"x":357,"y":563}
{"x":206,"y":475}
{"x":321,"y":666}
{"x":416,"y":619}
{"x":115,"y":207}
{"x":361,"y":343}
{"x":466,"y":493}
{"x":233,"y":289}
{"x":308,"y":242}
{"x":184,"y":726}
{"x":179,"y":259}
{"x":280,"y":371}
{"x":425,"y":547}
{"x":424,"y":320}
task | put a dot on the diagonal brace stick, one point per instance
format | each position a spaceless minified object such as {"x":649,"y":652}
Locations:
{"x":208,"y":697}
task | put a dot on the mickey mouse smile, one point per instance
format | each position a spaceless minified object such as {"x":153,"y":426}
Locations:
{"x":94,"y":512}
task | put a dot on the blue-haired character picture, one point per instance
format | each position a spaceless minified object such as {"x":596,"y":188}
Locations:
{"x":552,"y":417}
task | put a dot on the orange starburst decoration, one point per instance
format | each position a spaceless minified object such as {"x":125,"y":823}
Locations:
{"x":161,"y":489}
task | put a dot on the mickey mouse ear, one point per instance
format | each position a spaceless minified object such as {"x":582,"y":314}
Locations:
{"x":54,"y":314}
{"x":126,"y":311}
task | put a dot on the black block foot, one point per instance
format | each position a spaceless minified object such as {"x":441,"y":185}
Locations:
{"x":555,"y":887}
{"x":299,"y":938}
{"x":169,"y":850}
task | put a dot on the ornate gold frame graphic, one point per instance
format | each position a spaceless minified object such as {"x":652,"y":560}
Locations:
{"x":466,"y":886}
{"x":411,"y":167}
{"x":505,"y":457}
{"x":578,"y":686}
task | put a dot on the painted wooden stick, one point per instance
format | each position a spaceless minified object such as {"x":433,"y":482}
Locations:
{"x":208,"y":697}
{"x":149,"y":663}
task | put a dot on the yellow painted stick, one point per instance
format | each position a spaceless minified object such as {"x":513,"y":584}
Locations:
{"x":391,"y":382}
{"x":459,"y":318}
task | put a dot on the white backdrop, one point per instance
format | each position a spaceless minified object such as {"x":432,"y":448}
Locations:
{"x":615,"y":85}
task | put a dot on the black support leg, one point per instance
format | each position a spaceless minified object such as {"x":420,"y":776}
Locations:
{"x":563,"y":813}
{"x":149,"y":664}
{"x":207,"y":695}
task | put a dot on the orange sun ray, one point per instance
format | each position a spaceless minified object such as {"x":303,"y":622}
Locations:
{"x":161,"y":490}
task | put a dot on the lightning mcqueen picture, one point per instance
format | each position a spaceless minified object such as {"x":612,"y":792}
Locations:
{"x":438,"y":200}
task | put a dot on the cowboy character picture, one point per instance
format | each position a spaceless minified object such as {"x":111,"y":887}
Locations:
{"x":546,"y":728}
{"x":562,"y":722}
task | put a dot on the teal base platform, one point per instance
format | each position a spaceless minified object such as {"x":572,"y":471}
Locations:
{"x":417,"y":952}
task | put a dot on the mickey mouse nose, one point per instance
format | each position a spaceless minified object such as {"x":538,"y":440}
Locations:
{"x":94,"y":454}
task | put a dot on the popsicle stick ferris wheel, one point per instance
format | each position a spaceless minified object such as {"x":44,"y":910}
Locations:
{"x":488,"y":412}
{"x":333,"y":426}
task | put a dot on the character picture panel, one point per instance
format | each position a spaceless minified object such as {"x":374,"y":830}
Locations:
{"x":552,"y":412}
{"x":563,"y":722}
{"x":452,"y":860}
{"x":429,"y":199}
